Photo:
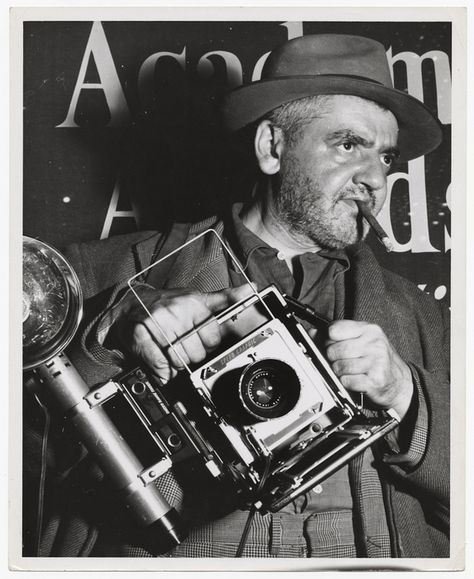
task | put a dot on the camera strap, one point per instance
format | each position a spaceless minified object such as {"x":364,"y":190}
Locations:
{"x":306,"y":312}
{"x":42,"y":477}
{"x":157,"y":276}
{"x":253,"y":509}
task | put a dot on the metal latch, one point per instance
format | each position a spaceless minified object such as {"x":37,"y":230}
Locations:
{"x":101,"y":394}
{"x":151,"y":473}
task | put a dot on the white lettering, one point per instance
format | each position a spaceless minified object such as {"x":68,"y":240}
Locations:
{"x":447,"y":236}
{"x":147,"y":70}
{"x":112,"y":212}
{"x":440,"y":292}
{"x":233,"y":66}
{"x":257,"y":71}
{"x":98,"y":48}
{"x":413,"y":64}
{"x":295,"y":30}
{"x":420,"y":238}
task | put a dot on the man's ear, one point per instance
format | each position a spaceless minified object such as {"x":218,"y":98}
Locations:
{"x":268,"y":147}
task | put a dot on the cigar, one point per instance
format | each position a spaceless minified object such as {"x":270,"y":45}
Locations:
{"x":376,"y":227}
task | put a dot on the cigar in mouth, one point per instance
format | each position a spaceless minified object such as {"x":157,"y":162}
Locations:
{"x":376,"y":227}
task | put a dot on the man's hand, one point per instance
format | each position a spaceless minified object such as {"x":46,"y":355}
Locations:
{"x":177,"y":312}
{"x":365,"y":361}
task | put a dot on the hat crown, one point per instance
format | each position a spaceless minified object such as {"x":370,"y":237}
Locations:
{"x":329,"y":54}
{"x":333,"y":64}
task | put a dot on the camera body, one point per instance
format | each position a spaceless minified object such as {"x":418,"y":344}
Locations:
{"x":263,"y":415}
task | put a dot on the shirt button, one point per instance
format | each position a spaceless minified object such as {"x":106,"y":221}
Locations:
{"x":318,"y":489}
{"x":281,"y":255}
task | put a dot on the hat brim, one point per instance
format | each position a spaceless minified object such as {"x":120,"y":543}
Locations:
{"x":419,"y":130}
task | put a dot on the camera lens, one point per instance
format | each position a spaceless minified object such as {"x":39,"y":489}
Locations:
{"x":269,"y":389}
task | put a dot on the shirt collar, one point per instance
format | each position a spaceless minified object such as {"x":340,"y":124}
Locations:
{"x":244,"y":242}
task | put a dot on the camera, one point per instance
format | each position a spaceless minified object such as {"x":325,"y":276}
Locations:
{"x":264,"y":415}
{"x":262,"y":419}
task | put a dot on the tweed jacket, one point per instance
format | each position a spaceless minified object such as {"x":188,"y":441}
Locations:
{"x":416,"y":497}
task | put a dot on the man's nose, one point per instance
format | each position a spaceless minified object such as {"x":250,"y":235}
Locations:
{"x":371,"y":173}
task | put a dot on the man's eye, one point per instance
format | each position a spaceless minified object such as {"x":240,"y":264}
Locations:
{"x":387,"y":160}
{"x":347,"y":146}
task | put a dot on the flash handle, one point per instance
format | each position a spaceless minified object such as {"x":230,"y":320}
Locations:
{"x":104,"y":442}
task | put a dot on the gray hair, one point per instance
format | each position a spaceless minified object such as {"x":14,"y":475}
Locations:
{"x":293,"y":116}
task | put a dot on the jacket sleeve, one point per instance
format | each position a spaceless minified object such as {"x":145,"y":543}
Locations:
{"x":408,"y":441}
{"x":428,"y":476}
{"x":103,"y":269}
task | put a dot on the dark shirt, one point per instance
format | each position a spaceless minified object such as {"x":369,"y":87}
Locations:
{"x":314,"y":281}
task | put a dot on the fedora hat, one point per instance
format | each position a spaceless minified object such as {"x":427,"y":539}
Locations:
{"x":325,"y":64}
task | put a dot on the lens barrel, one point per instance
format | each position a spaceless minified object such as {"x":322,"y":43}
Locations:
{"x":269,"y":389}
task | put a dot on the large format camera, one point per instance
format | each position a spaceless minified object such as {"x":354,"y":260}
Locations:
{"x":263,"y":417}
{"x":264,"y":414}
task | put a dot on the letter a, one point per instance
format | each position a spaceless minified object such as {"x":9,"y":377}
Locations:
{"x":97,"y":46}
{"x":113,"y":213}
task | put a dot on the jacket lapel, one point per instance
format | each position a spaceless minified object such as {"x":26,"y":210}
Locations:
{"x":364,"y":287}
{"x":201,"y":265}
{"x":381,"y":299}
{"x":145,"y":249}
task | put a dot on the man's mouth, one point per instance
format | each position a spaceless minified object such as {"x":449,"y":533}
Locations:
{"x":351,"y":202}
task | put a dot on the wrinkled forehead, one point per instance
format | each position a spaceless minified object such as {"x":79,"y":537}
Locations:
{"x":369,"y":119}
{"x":349,"y":105}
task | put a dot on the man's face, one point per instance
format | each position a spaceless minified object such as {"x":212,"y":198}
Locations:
{"x":343,"y":155}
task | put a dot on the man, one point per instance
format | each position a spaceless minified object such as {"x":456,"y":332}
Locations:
{"x":327,"y":128}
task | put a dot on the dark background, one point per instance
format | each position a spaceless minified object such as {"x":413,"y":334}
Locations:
{"x":168,"y":156}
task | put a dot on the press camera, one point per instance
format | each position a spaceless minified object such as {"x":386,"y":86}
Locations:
{"x":263,"y":417}
{"x":264,"y":414}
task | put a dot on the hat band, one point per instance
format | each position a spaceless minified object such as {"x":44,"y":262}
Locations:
{"x":352,"y":76}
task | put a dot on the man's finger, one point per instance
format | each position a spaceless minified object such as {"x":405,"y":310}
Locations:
{"x":147,"y":349}
{"x":345,"y":330}
{"x":354,"y":348}
{"x":193,"y":347}
{"x":356,"y":382}
{"x":178,"y":356}
{"x":218,"y":301}
{"x":351,"y":366}
{"x":164,"y":327}
{"x":209,"y":332}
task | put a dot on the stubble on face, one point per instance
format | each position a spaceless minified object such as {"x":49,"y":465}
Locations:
{"x":340,"y":155}
{"x":308,"y":213}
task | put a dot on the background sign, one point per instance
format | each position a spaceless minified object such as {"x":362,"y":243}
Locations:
{"x":121,"y":129}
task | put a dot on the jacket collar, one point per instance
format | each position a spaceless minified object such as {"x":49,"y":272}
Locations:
{"x":157,"y":245}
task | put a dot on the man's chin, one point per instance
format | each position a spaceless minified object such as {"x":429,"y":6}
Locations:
{"x":347,"y":238}
{"x":329,"y":238}
{"x":343,"y":241}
